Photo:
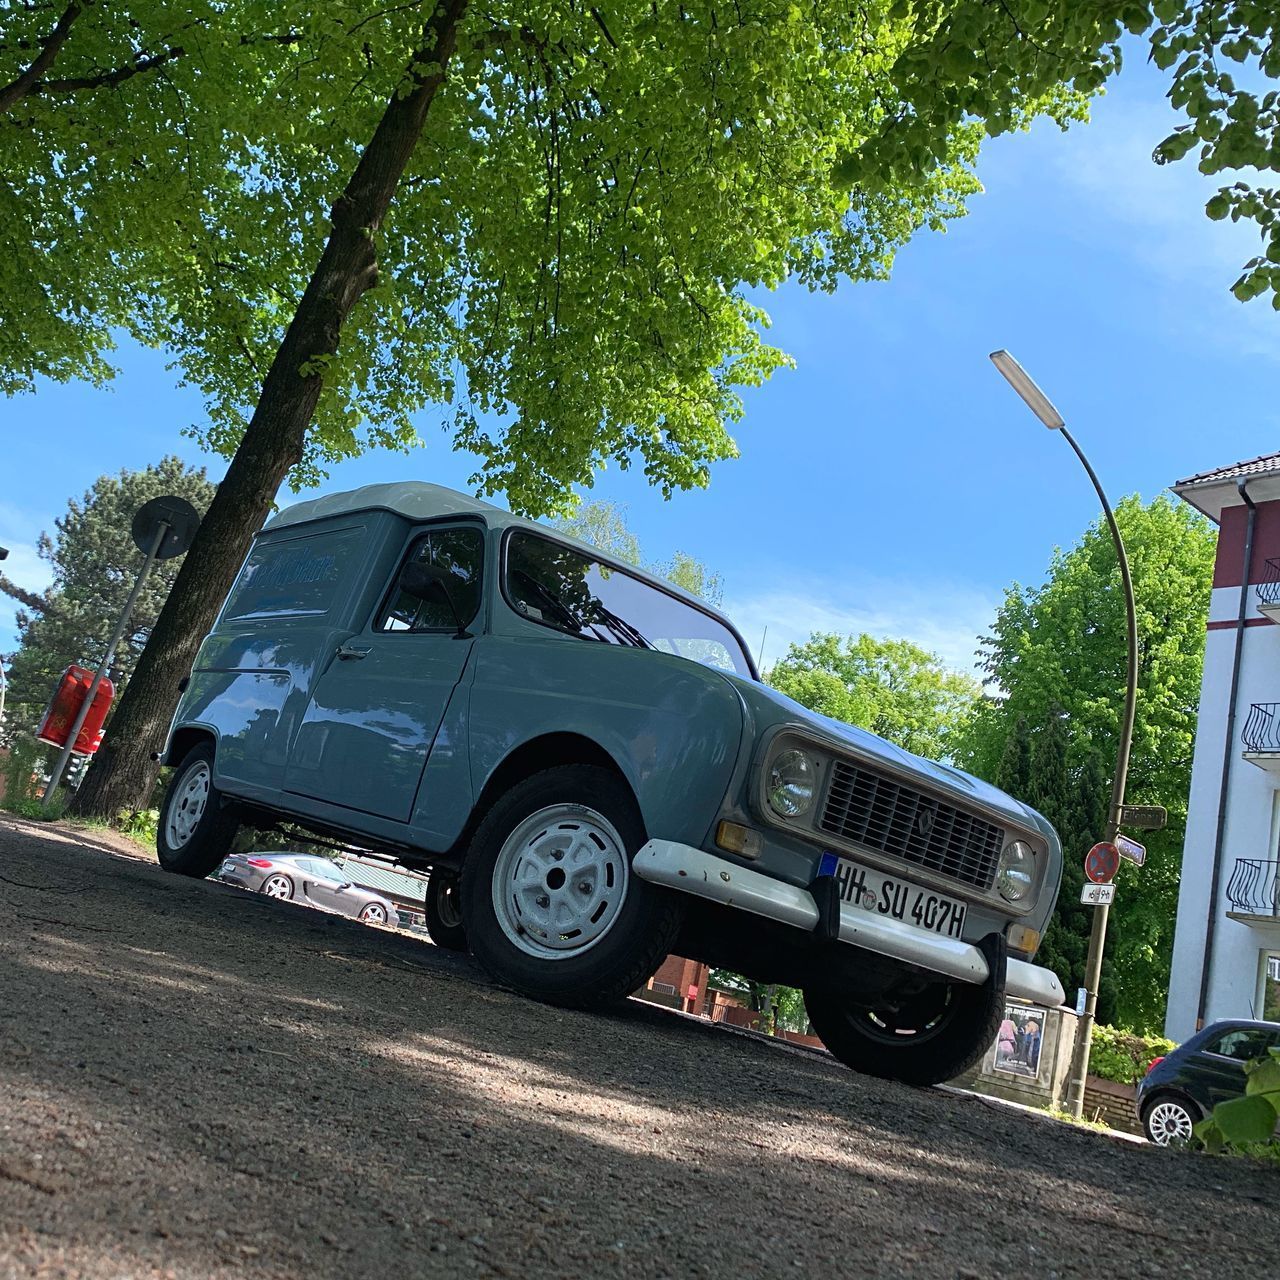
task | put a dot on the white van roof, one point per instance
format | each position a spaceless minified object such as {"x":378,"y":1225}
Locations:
{"x":411,"y":498}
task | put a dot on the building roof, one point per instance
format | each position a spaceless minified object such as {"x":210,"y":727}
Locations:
{"x":1210,"y":491}
{"x":408,"y":886}
{"x":1258,"y":466}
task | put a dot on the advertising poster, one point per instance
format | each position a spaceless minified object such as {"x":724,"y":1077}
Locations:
{"x":1019,"y":1040}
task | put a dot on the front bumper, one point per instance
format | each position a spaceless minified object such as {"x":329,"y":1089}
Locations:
{"x":690,"y":870}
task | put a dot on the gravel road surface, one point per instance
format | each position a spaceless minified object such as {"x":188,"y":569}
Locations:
{"x":196,"y":1082}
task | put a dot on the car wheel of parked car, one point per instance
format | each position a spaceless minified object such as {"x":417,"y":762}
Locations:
{"x":374,"y":913}
{"x":549,"y":902}
{"x":1169,"y":1121}
{"x":928,"y":1037}
{"x":277,"y":886}
{"x":194,"y":833}
{"x":443,"y":910}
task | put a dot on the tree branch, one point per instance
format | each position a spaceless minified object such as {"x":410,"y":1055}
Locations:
{"x":17,"y":90}
{"x":111,"y":79}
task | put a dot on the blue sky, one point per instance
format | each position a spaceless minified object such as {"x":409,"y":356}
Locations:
{"x":891,"y":482}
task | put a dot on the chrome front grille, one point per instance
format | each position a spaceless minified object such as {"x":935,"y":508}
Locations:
{"x":872,"y":810}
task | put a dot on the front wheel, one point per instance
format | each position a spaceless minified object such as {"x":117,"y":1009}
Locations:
{"x":928,"y":1037}
{"x":443,"y":910}
{"x":1169,"y":1122}
{"x":374,"y":913}
{"x":195,"y":831}
{"x":550,"y":905}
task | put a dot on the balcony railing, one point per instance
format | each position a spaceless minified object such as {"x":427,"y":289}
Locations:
{"x":1262,"y":728}
{"x":1269,"y":588}
{"x":1254,"y":888}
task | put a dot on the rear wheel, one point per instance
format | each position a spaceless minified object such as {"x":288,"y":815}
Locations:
{"x":195,"y":831}
{"x":930,"y":1036}
{"x":549,"y":902}
{"x":1170,"y":1121}
{"x":443,"y":909}
{"x":277,"y":886}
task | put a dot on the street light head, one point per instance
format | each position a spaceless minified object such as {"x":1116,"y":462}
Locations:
{"x":1020,"y":381}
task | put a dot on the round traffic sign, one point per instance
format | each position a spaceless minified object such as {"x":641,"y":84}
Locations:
{"x":1101,"y":863}
{"x":177,"y":513}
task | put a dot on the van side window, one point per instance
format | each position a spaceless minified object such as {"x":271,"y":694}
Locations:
{"x":295,"y":577}
{"x":460,"y":552}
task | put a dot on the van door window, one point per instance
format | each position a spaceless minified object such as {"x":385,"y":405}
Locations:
{"x":460,"y":552}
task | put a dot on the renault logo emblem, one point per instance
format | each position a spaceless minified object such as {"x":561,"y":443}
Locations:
{"x":924,"y":818}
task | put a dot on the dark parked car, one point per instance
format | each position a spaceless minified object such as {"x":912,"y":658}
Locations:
{"x":1185,"y":1085}
{"x":304,"y":878}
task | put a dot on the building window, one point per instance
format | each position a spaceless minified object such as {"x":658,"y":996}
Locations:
{"x":1270,"y":986}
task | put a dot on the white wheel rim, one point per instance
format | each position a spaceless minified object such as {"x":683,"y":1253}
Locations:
{"x":560,"y":881}
{"x":1169,"y":1122}
{"x":375,"y":913}
{"x":187,"y":806}
{"x":277,"y":886}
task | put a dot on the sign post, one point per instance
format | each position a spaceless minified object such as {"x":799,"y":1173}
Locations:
{"x":163,"y":528}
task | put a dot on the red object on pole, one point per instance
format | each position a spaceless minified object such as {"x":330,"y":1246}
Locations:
{"x":65,"y":705}
{"x":1102,"y":862}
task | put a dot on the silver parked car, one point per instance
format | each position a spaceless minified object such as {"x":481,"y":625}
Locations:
{"x":313,"y":881}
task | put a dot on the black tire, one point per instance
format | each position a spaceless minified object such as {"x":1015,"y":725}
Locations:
{"x":955,"y":1023}
{"x":1156,"y":1124}
{"x":194,"y":849}
{"x":443,"y":909}
{"x":278,"y":897}
{"x":626,"y":939}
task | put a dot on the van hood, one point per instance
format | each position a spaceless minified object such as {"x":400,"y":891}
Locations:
{"x":770,"y":709}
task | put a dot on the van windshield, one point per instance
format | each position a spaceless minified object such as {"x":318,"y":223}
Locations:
{"x":559,"y":587}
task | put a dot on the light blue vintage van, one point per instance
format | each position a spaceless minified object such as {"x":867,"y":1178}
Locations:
{"x":585,"y":760}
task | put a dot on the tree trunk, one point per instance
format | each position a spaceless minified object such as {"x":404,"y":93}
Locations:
{"x":123,"y":774}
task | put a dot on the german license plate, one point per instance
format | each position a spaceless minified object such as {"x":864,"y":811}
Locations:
{"x":894,"y":897}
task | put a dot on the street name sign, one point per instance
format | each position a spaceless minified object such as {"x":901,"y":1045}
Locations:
{"x":1101,"y":863}
{"x":1143,"y":817}
{"x":1131,"y":849}
{"x":1097,"y":895}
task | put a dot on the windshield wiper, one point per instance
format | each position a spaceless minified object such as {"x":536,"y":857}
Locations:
{"x":620,"y":627}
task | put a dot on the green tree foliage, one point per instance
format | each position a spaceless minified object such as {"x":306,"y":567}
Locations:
{"x":604,"y":525}
{"x":95,"y":563}
{"x":559,"y":210}
{"x":1057,"y":654}
{"x":1036,"y":767}
{"x":892,"y":687}
{"x":975,"y":59}
{"x":588,"y":192}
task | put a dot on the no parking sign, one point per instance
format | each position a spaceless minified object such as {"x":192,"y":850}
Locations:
{"x":1102,"y":862}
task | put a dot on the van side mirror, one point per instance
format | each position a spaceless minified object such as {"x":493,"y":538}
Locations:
{"x":430,"y":584}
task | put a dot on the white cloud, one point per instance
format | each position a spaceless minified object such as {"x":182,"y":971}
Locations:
{"x":945,"y":618}
{"x":1154,"y":214}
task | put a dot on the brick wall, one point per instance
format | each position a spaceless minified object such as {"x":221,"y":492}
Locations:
{"x":1111,"y":1103}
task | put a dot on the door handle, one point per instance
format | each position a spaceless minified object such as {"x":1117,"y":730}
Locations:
{"x":348,"y":650}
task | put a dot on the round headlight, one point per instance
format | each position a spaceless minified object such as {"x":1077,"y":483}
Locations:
{"x":792,"y":780}
{"x":1015,"y":871}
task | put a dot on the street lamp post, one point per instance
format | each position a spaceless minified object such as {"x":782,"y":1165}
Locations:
{"x":1043,"y":408}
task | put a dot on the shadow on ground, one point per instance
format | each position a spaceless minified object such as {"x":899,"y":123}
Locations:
{"x":195,"y":1081}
